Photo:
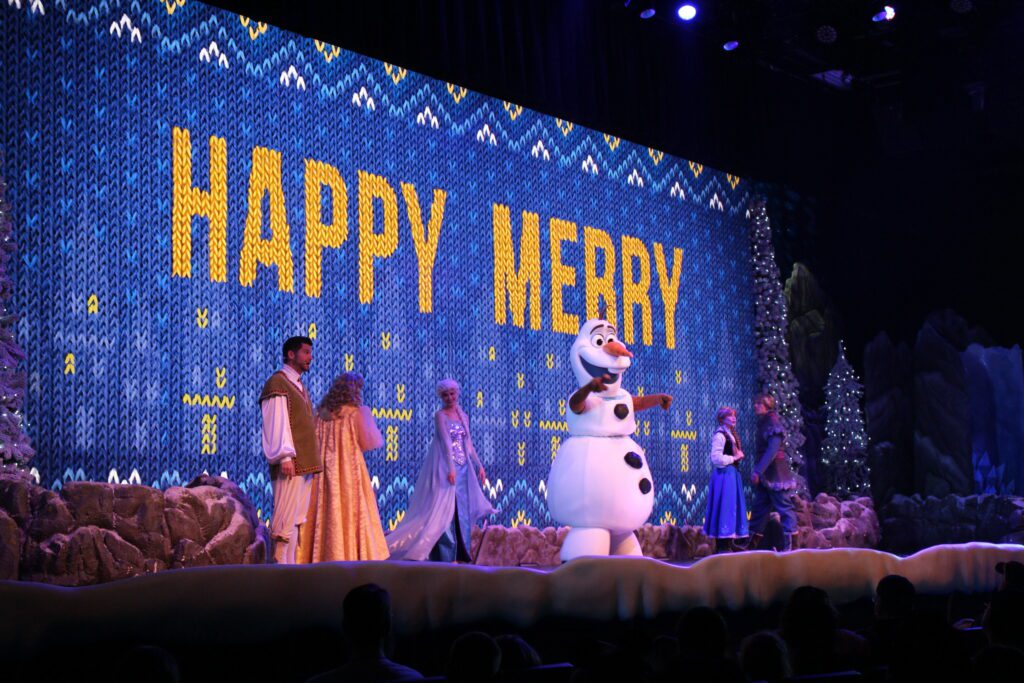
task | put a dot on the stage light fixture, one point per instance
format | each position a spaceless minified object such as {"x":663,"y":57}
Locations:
{"x":826,"y":34}
{"x":888,"y":13}
{"x":731,"y":45}
{"x":835,"y":78}
{"x":687,"y":12}
{"x":647,"y":12}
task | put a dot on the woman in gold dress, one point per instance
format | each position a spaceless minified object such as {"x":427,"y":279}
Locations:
{"x":346,"y":523}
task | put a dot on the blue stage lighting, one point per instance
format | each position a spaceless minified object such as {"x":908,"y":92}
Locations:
{"x":731,"y":45}
{"x":647,"y":13}
{"x":887,"y":14}
{"x":687,"y":12}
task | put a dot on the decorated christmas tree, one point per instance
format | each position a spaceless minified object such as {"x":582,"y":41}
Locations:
{"x":774,"y":367}
{"x":15,"y":449}
{"x":844,"y":450}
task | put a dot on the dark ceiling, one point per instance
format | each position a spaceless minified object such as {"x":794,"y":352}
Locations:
{"x":907,"y":134}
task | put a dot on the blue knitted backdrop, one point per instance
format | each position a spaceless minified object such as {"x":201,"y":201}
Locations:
{"x":191,"y":187}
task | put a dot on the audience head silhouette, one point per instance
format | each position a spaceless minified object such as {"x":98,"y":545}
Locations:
{"x":894,"y":597}
{"x":366,"y":618}
{"x":764,"y":657}
{"x":702,"y":631}
{"x":1013,"y":575}
{"x":474,"y":657}
{"x":516,"y":653}
{"x":1003,"y":621}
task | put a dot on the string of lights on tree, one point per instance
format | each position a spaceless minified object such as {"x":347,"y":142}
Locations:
{"x":774,"y":367}
{"x":844,"y":450}
{"x":15,"y":448}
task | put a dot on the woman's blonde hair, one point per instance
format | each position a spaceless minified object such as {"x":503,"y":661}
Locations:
{"x":346,"y":390}
{"x":447,"y":384}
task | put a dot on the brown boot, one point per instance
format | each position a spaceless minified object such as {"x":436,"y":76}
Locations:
{"x":753,"y":542}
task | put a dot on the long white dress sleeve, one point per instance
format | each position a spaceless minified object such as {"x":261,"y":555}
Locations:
{"x":278,"y":445}
{"x":718,"y":457}
{"x":441,"y":434}
{"x":474,"y":456}
{"x":367,"y":433}
{"x":433,"y":502}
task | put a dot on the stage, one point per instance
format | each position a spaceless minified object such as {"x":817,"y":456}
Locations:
{"x":251,"y":604}
{"x":201,"y":200}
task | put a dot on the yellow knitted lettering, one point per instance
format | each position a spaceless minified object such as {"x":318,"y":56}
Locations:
{"x":602,"y":287}
{"x":561,"y":276}
{"x":188,"y":201}
{"x":635,"y":288}
{"x":265,"y":179}
{"x":508,"y":282}
{"x":425,"y":243}
{"x":320,"y":235}
{"x":669,"y":289}
{"x":373,"y":245}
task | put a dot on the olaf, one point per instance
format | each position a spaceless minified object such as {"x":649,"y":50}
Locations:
{"x":600,"y":483}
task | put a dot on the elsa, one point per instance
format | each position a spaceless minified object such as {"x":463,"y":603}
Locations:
{"x":447,"y":500}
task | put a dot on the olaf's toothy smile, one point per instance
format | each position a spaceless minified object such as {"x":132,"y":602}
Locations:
{"x":596,"y":371}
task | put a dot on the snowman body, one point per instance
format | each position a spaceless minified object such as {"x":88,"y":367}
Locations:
{"x":600,"y":484}
{"x":600,"y":477}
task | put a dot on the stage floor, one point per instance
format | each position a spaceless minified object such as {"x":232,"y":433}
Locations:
{"x":257,"y":602}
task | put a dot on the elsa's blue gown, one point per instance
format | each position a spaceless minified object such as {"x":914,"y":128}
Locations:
{"x":431,"y":518}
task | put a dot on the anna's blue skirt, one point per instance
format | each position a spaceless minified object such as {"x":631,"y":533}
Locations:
{"x":726,"y":515}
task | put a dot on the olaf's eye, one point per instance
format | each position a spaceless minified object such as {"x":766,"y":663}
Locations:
{"x":597,"y":340}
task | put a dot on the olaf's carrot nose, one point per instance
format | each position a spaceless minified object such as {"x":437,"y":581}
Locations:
{"x":617,"y":349}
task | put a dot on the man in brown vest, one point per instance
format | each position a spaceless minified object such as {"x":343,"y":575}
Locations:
{"x":290,"y":446}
